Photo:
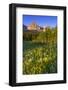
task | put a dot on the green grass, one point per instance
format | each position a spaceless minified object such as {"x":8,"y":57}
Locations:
{"x":30,"y":45}
{"x":39,"y":58}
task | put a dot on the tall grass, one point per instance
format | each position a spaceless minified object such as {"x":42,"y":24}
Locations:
{"x":40,"y":60}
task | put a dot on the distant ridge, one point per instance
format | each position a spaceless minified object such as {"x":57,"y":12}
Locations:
{"x":34,"y":27}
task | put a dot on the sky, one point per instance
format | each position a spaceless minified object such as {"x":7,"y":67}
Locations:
{"x":40,"y":20}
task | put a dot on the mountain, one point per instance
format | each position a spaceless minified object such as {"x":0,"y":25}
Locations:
{"x":32,"y":27}
{"x":35,"y":27}
{"x":24,"y":27}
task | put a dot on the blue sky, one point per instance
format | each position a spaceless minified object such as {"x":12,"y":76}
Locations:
{"x":40,"y":20}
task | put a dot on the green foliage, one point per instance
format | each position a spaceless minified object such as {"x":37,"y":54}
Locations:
{"x":48,"y":36}
{"x":40,"y":52}
{"x":40,"y":60}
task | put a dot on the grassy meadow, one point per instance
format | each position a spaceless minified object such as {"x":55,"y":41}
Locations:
{"x":40,"y":52}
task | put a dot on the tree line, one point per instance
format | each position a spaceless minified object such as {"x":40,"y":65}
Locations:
{"x":49,"y":36}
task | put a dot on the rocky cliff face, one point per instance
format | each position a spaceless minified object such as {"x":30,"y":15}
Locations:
{"x":34,"y":26}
